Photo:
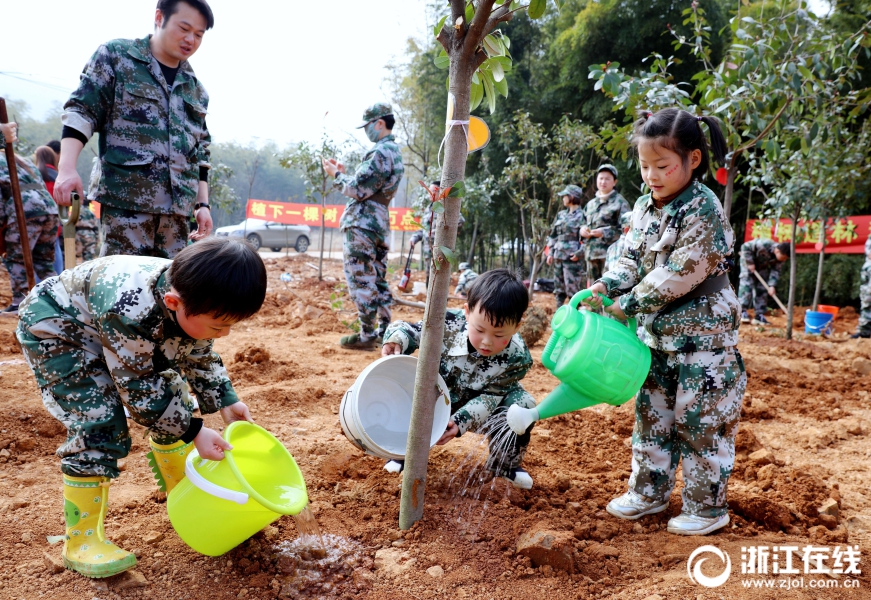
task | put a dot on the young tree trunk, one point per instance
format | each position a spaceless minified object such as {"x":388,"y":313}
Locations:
{"x":425,"y":387}
{"x":323,"y":233}
{"x":730,"y":186}
{"x":471,"y":257}
{"x":819,"y":286}
{"x":790,"y":305}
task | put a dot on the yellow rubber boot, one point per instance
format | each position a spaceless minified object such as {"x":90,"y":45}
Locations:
{"x":167,"y":463}
{"x":86,"y":549}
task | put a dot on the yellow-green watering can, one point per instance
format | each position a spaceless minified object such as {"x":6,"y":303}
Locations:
{"x":597,"y":359}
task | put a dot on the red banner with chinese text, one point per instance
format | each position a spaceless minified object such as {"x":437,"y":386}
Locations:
{"x":401,"y":219}
{"x":843,"y":236}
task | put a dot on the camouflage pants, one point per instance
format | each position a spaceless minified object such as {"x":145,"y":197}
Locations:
{"x":751,"y":292}
{"x":568,"y":279}
{"x":41,"y":234}
{"x":365,"y":255}
{"x":86,"y":244}
{"x":688,"y":409}
{"x":82,"y":395}
{"x":504,"y":457}
{"x":595,"y":269}
{"x":865,"y":299}
{"x":142,"y":234}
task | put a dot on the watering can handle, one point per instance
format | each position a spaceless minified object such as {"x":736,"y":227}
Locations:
{"x":584,"y":294}
{"x":207,"y":486}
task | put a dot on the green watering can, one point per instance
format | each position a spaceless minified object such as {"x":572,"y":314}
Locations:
{"x":597,"y":359}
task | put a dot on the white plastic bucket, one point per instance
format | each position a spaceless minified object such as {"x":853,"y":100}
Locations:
{"x":376,"y":411}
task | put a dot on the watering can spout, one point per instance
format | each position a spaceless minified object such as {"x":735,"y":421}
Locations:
{"x":519,"y":418}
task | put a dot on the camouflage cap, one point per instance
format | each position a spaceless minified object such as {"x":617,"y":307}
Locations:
{"x":464,"y":266}
{"x":375,"y":112}
{"x":573,"y":191}
{"x":610,"y":168}
{"x":626,"y":219}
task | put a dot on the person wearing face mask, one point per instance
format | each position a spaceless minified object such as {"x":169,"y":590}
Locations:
{"x":601,"y":226}
{"x":366,"y":224}
{"x":149,"y":107}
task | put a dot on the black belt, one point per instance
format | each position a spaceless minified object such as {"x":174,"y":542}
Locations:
{"x":705,"y":288}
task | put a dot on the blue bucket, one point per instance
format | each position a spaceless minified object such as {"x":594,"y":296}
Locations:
{"x":816,"y":323}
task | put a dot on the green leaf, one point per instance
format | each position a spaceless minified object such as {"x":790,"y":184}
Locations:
{"x":493,"y":46}
{"x":438,"y":208}
{"x":490,"y":92}
{"x":477,"y":94}
{"x":442,"y":61}
{"x":438,"y":28}
{"x":501,"y":86}
{"x":815,"y":129}
{"x":536,"y":8}
{"x":470,"y":12}
{"x":506,"y":41}
{"x":449,"y":254}
{"x":458,"y":190}
{"x":497,"y":71}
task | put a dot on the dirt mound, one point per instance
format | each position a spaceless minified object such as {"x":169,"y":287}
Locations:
{"x":535,"y":324}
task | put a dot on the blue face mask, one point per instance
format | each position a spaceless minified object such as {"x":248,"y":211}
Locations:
{"x":371,"y":132}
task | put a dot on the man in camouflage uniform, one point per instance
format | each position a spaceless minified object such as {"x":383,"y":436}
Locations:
{"x":616,"y":250}
{"x":366,"y":225}
{"x":601,"y":226}
{"x":467,"y":276}
{"x":41,"y":222}
{"x":148,"y":106}
{"x":565,"y":250}
{"x":864,"y":329}
{"x":766,"y":257}
{"x":675,"y":282}
{"x":480,"y":383}
{"x":110,"y":334}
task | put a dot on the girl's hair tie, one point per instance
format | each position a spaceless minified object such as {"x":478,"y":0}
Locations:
{"x":699,"y":119}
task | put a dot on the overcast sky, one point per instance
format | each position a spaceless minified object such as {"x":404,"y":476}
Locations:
{"x":272,"y":69}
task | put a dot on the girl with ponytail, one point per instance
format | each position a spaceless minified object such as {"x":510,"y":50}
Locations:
{"x":673,"y":277}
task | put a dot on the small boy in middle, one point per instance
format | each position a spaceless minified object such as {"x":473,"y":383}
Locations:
{"x":482,"y":362}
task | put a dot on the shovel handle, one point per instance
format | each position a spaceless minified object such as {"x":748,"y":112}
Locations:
{"x":72,"y":212}
{"x":776,"y":299}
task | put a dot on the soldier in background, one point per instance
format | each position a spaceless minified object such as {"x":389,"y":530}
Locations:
{"x":366,"y":225}
{"x":41,"y":222}
{"x":602,"y":221}
{"x":766,"y":257}
{"x":467,"y":276}
{"x":148,"y":106}
{"x":566,"y":252}
{"x":864,"y":329}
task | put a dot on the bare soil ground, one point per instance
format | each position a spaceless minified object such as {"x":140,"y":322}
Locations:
{"x":808,"y":405}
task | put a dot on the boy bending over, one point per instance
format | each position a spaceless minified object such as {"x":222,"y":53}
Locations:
{"x":122,"y":332}
{"x":482,"y":362}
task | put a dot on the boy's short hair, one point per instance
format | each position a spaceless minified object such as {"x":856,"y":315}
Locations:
{"x":783,"y":247}
{"x":221,"y":277}
{"x":502,"y":296}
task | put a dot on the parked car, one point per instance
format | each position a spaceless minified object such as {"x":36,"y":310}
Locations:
{"x":269,"y":234}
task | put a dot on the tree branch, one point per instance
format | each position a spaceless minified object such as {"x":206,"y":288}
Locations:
{"x":477,"y":28}
{"x":500,"y":15}
{"x":765,"y":131}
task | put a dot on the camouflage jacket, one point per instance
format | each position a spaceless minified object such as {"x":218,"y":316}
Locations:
{"x":465,"y":280}
{"x":380,"y":171}
{"x":564,"y":240}
{"x":477,"y":384}
{"x":615,"y":251}
{"x":87,"y":219}
{"x":865,"y":273}
{"x":153,"y":139}
{"x":113,"y":308}
{"x":604,"y":213}
{"x":760,"y":253}
{"x":697,"y":245}
{"x":34,"y":196}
